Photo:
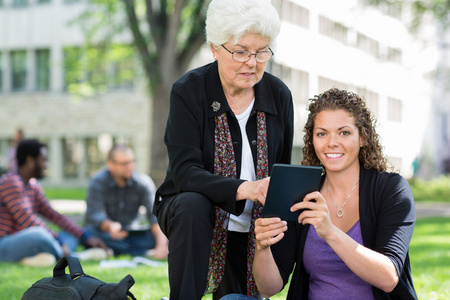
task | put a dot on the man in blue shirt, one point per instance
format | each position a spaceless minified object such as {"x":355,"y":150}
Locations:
{"x":114,"y":197}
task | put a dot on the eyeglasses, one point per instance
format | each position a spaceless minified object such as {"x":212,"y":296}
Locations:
{"x":124,"y":163}
{"x":244,"y":55}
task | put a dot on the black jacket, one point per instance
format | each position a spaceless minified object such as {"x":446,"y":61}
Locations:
{"x":190,"y":128}
{"x":387,"y":217}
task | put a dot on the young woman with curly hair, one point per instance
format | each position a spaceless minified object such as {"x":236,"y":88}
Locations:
{"x":352,"y":240}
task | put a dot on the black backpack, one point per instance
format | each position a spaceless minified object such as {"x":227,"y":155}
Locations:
{"x":77,"y":285}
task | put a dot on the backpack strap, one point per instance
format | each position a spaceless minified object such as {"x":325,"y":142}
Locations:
{"x":75,"y":268}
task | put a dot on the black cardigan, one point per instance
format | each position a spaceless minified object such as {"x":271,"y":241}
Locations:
{"x":190,"y":129}
{"x":387,"y":217}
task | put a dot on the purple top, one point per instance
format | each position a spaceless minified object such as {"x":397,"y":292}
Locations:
{"x":330,"y":278}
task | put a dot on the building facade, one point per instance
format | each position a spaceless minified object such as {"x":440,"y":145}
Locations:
{"x":322,"y":44}
{"x":36,"y":44}
{"x":348,"y":45}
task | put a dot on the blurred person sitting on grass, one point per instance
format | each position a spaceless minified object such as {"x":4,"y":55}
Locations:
{"x":114,"y":196}
{"x":24,"y":235}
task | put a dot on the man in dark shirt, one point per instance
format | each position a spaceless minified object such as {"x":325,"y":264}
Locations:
{"x":114,"y":197}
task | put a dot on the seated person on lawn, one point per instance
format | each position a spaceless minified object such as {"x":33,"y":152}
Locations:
{"x":113,"y":199}
{"x":24,"y":235}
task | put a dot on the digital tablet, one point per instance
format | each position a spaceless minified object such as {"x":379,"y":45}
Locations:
{"x":288,"y":185}
{"x":137,"y":229}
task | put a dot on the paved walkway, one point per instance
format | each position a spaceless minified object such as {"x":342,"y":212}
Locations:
{"x":430,"y":209}
{"x":425,"y":209}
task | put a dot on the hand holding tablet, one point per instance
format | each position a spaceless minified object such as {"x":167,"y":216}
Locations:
{"x":288,"y":185}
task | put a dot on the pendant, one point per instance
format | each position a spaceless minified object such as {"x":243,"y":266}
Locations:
{"x":340,"y":213}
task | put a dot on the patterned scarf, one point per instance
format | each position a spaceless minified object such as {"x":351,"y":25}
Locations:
{"x":225,"y":165}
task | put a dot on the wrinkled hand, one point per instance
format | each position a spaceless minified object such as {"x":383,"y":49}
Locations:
{"x":96,"y":242}
{"x":253,"y":190}
{"x":317,"y":213}
{"x":269,"y":231}
{"x":116,"y":232}
{"x":158,"y":252}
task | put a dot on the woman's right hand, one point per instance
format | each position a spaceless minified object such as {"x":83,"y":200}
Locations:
{"x":269,"y":231}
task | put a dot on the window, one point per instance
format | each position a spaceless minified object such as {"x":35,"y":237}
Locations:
{"x":43,"y":69}
{"x":73,"y":156}
{"x":327,"y":83}
{"x":394,"y":55}
{"x":18,"y":3}
{"x":392,"y":8}
{"x":285,"y":73}
{"x":372,"y":101}
{"x":286,"y":11}
{"x":294,"y":13}
{"x":98,"y":68}
{"x":300,"y":86}
{"x":122,"y":67}
{"x":95,"y":66}
{"x":333,"y":30}
{"x":367,"y":44}
{"x":296,"y":80}
{"x":18,"y":70}
{"x":72,"y":67}
{"x":83,"y":156}
{"x":300,"y":15}
{"x":395,"y":109}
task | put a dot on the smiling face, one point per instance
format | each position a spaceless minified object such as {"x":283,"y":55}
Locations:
{"x":336,"y":140}
{"x":238,"y":76}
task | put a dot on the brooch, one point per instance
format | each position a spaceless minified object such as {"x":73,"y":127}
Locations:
{"x":215,"y":106}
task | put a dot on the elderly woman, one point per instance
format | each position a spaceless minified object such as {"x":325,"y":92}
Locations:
{"x":229,"y":122}
{"x":352,"y":242}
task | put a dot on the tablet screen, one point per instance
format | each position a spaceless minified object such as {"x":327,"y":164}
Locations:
{"x":289,"y":184}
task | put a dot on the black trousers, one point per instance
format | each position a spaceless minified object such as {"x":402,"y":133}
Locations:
{"x":187,"y":219}
{"x":234,"y":280}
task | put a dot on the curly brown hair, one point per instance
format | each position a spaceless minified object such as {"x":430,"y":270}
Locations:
{"x":371,"y":154}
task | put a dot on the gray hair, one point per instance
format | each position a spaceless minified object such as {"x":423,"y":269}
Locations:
{"x":232,"y":19}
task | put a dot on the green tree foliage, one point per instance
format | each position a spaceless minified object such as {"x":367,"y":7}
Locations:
{"x":165,"y":36}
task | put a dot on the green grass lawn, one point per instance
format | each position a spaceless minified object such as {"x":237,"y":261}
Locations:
{"x":430,"y":256}
{"x":429,"y":251}
{"x":437,"y":190}
{"x":75,"y":193}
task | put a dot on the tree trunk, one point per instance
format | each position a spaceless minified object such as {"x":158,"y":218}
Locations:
{"x":160,"y":111}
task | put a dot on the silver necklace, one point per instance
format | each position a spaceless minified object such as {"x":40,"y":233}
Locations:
{"x":340,"y":211}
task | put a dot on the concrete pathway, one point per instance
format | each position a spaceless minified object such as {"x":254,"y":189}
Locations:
{"x":69,"y":206}
{"x":425,"y":209}
{"x":430,"y":209}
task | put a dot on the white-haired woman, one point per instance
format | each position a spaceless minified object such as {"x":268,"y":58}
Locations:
{"x":229,"y":122}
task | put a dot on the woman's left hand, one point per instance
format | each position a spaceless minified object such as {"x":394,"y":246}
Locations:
{"x":315,"y":212}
